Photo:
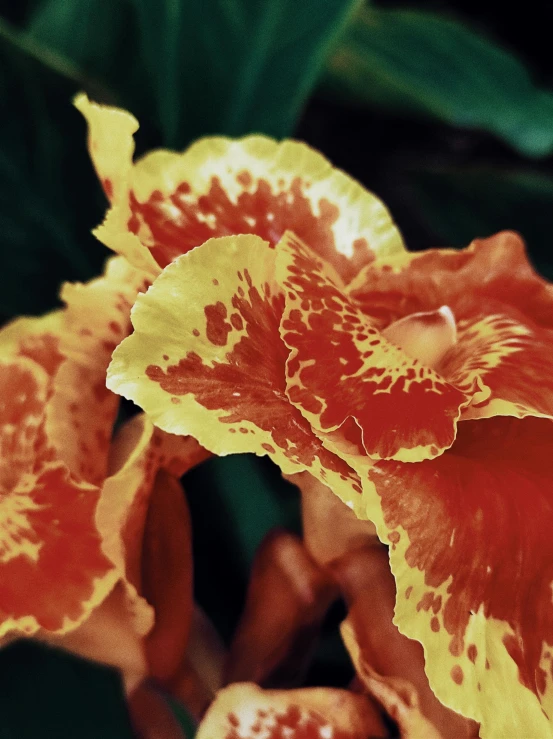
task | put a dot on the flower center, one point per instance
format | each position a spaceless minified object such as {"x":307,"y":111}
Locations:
{"x":425,"y":336}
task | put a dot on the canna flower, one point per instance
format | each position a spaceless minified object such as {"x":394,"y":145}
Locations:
{"x":420,"y":393}
{"x":416,"y":386}
{"x":81,"y":514}
{"x":289,"y":594}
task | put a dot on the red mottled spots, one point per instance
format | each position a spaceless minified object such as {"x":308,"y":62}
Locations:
{"x":165,"y":357}
{"x":472,"y":652}
{"x":244,"y":178}
{"x":217,"y":328}
{"x":457,"y":674}
{"x":293,"y":723}
{"x":250,"y":384}
{"x":434,"y":624}
{"x":394,"y":537}
{"x":408,"y":592}
{"x":44,"y":350}
{"x":502,"y":466}
{"x":21,"y":395}
{"x":397,"y":403}
{"x":180,"y":221}
{"x":54,"y":529}
{"x":107,"y":184}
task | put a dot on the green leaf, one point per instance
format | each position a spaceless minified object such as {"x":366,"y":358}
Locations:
{"x":416,"y":62}
{"x":99,"y":40}
{"x":459,"y":206}
{"x":48,"y":194}
{"x":235,"y":66}
{"x":45,"y":693}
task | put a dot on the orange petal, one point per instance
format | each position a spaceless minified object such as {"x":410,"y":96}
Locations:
{"x":288,"y":596}
{"x":200,"y":675}
{"x":136,"y":456}
{"x":108,"y":637}
{"x":82,"y":410}
{"x":171,"y":202}
{"x":471,"y":553}
{"x":425,"y":336}
{"x":396,"y":695}
{"x":244,"y":711}
{"x":488,"y":277}
{"x":53,"y":571}
{"x":330,"y":528}
{"x":389,"y":665}
{"x":206,"y":360}
{"x":504,"y":364}
{"x":167,"y":575}
{"x":341,"y":367}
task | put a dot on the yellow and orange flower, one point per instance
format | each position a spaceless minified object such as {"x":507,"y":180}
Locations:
{"x":416,"y":386}
{"x":80,"y":513}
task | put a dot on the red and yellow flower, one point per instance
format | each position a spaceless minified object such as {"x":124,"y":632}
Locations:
{"x":81,"y":516}
{"x":416,"y":386}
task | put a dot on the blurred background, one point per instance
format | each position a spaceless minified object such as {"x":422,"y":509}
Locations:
{"x":443,"y":108}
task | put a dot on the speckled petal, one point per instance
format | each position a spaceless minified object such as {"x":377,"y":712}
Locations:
{"x":168,"y":202}
{"x":206,"y":360}
{"x":471,"y":553}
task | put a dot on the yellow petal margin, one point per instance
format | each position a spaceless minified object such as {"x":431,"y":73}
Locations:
{"x":470,"y":549}
{"x":206,"y":360}
{"x":168,"y":203}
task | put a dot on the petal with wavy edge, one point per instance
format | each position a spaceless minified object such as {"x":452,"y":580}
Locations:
{"x":139,"y":451}
{"x":220,"y":187}
{"x":490,"y":276}
{"x":471,"y":554}
{"x":506,"y":366}
{"x":206,"y":360}
{"x":53,"y":571}
{"x":81,"y":411}
{"x":341,"y":367}
{"x":396,"y":695}
{"x":110,"y":143}
{"x":244,"y":711}
{"x":25,"y":388}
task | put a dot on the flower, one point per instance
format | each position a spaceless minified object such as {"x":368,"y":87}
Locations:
{"x":81,"y":515}
{"x":167,"y":203}
{"x":288,"y":596}
{"x":416,"y":386}
{"x":443,"y":415}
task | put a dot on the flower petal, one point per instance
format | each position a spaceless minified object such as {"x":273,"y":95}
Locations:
{"x":167,"y":575}
{"x":388,"y":664}
{"x":472,"y":556}
{"x":244,"y":711}
{"x":288,"y":597}
{"x":46,"y":519}
{"x":505,"y":365}
{"x":206,"y":360}
{"x":53,"y":571}
{"x":397,"y":696}
{"x":25,"y":388}
{"x":341,"y":367}
{"x":220,"y":187}
{"x":82,"y":410}
{"x":139,"y":451}
{"x":490,"y":276}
